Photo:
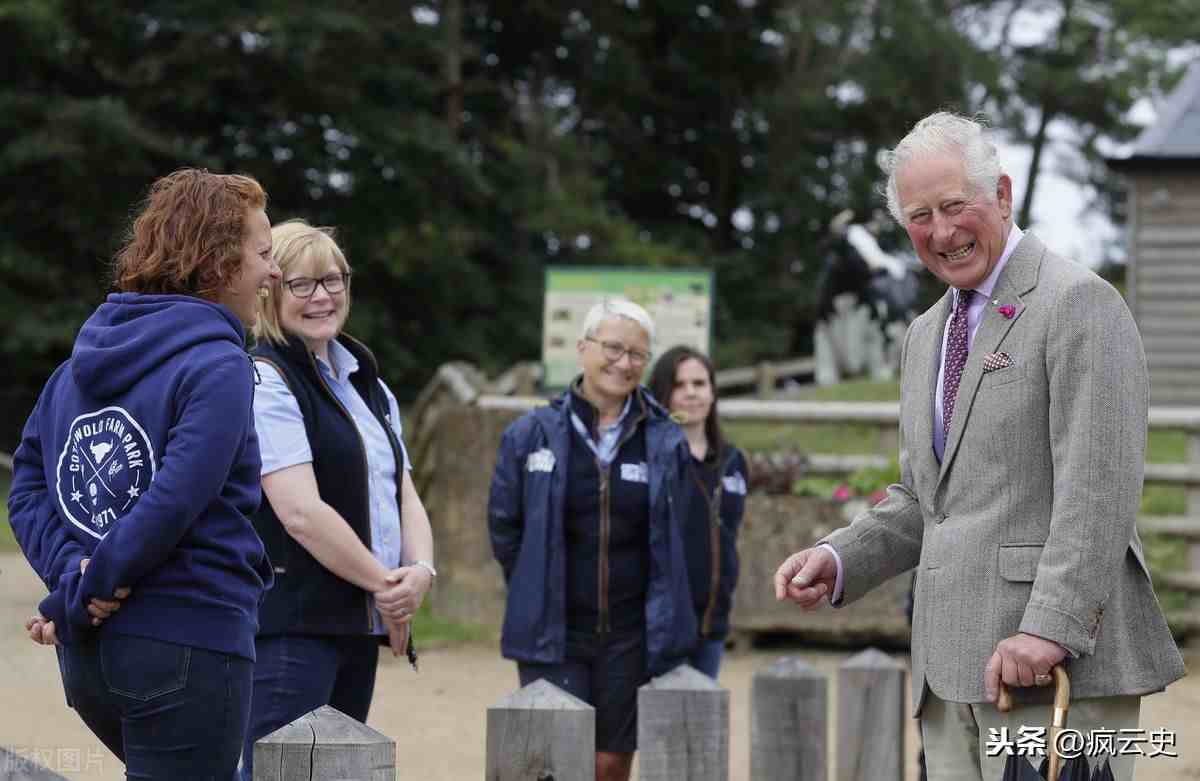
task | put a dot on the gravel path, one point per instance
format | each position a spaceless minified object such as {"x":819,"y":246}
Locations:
{"x":438,"y":716}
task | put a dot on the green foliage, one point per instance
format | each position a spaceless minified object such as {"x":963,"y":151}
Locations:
{"x":1167,"y":554}
{"x":435,"y":632}
{"x":838,"y":439}
{"x":458,"y":160}
{"x":819,"y":487}
{"x":863,"y":483}
{"x":868,"y":480}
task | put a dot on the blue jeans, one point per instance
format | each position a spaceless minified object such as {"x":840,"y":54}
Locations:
{"x":296,"y":674}
{"x":167,"y":711}
{"x":707,"y":656}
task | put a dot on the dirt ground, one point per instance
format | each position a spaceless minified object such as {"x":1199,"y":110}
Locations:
{"x":438,"y":716}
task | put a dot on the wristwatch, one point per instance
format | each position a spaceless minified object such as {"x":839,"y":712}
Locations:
{"x":427,"y":565}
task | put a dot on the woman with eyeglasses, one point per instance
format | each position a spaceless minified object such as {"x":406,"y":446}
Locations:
{"x":346,"y":532}
{"x":584,"y":516}
{"x":684,"y":379}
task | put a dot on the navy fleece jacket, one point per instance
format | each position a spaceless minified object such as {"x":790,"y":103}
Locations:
{"x":141,"y":455}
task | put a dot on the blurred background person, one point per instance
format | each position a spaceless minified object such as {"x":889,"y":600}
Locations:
{"x":134,"y":479}
{"x":684,"y":380}
{"x":584,"y":516}
{"x":347,"y":534}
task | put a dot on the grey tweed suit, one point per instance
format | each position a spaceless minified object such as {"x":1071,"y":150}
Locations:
{"x":1028,"y":524}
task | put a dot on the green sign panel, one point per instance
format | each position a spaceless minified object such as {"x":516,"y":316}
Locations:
{"x":680,"y":301}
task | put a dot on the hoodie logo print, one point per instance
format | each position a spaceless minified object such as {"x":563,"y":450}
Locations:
{"x":106,"y":463}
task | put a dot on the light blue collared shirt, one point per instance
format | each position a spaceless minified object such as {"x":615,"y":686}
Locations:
{"x":606,"y":449}
{"x":975,"y":312}
{"x":283,"y":442}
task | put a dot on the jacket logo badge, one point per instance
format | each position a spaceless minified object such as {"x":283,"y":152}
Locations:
{"x":106,"y":463}
{"x":635,"y":473}
{"x":540,"y":461}
{"x":735,"y":483}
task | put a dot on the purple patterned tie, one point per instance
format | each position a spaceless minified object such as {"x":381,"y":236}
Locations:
{"x":956,"y":358}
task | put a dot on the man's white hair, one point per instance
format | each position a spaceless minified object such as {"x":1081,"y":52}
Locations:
{"x":944,"y":133}
{"x":610,"y":308}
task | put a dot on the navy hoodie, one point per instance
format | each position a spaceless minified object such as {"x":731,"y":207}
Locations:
{"x":141,"y":455}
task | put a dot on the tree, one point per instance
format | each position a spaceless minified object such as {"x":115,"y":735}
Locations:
{"x":1094,"y":61}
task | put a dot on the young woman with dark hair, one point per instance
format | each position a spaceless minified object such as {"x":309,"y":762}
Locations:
{"x":683,"y":380}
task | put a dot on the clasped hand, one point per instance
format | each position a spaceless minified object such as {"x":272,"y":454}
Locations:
{"x":41,"y":629}
{"x":404,"y":591}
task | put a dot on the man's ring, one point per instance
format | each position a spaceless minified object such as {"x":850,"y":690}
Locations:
{"x":1041,"y":679}
{"x":404,"y":612}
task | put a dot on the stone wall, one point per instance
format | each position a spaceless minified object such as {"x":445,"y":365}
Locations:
{"x":454,"y":472}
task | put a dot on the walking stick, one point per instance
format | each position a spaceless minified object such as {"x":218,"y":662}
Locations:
{"x":1062,"y":703}
{"x":1057,"y":724}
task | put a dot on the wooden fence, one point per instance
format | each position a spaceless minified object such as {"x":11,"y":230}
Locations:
{"x":765,"y":376}
{"x":885,"y":417}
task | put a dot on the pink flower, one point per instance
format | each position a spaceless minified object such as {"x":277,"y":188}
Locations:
{"x":1008,"y":310}
{"x":841,"y":493}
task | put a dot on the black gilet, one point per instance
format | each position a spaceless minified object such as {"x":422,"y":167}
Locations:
{"x":307,"y":598}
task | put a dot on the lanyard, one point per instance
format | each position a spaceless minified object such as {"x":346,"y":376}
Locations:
{"x":714,"y":499}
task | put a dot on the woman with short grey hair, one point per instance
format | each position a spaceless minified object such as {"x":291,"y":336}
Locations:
{"x":585,"y":511}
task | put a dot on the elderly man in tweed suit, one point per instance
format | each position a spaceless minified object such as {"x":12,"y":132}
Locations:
{"x":1022,"y":436}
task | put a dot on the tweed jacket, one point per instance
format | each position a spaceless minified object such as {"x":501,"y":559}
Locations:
{"x":1028,"y":523}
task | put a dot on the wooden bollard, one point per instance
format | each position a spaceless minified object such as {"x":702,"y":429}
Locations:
{"x":789,"y":723}
{"x":871,"y":718}
{"x":25,"y":765}
{"x":540,"y":732}
{"x":324,"y":745}
{"x":683,"y":728}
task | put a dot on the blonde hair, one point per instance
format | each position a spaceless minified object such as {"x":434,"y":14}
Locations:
{"x":295,"y":244}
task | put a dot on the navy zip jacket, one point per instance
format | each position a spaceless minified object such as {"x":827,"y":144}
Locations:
{"x":711,"y":543}
{"x":526,"y":520}
{"x":141,"y":455}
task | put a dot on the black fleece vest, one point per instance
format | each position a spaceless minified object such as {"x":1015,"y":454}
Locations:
{"x":307,"y":598}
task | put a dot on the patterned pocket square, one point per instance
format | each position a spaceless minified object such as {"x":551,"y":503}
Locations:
{"x":996,"y":361}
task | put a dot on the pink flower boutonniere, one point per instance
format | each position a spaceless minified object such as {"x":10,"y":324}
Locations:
{"x":1008,"y":310}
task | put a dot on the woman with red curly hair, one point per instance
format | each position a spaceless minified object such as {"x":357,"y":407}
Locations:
{"x":134,"y":479}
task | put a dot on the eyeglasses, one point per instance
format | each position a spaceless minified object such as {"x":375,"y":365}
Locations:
{"x":305,"y":287}
{"x":615,"y":351}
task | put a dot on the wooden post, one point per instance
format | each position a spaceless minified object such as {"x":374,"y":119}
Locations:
{"x":889,"y":442}
{"x":683,"y":728}
{"x":871,"y":718}
{"x":1193,"y":512}
{"x":325,"y":745}
{"x":766,"y":380}
{"x":23,"y":765}
{"x":789,"y":723}
{"x":541,"y":732}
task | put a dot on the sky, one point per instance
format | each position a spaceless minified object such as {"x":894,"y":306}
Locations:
{"x":1060,"y":215}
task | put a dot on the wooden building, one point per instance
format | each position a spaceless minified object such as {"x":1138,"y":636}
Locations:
{"x":1163,"y":275}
